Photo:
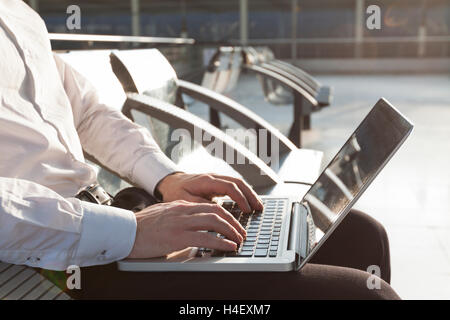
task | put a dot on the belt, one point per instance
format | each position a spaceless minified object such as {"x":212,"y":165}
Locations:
{"x":95,"y":194}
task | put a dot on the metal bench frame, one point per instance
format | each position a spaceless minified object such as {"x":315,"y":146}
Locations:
{"x":308,"y":94}
{"x":133,"y":79}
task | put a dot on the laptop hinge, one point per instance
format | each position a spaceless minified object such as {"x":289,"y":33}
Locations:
{"x":298,"y":239}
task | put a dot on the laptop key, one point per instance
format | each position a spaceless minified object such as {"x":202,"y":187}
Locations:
{"x":245,"y":253}
{"x":272,"y":254}
{"x":263,"y":241}
{"x":261,"y":253}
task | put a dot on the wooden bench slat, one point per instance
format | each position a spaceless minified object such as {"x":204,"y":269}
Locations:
{"x":25,"y":288}
{"x":51,"y":294}
{"x":39,"y":290}
{"x":4,"y":266}
{"x":63,"y":296}
{"x":15,"y":282}
{"x":9,"y":273}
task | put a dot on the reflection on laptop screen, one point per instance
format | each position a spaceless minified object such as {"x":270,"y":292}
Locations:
{"x":356,"y":165}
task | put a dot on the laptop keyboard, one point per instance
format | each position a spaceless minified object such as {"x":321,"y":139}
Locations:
{"x":263,"y":230}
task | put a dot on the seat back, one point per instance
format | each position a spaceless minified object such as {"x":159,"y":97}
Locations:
{"x":148,"y":72}
{"x":274,"y":92}
{"x":236,"y":66}
{"x":145,"y":71}
{"x":308,"y":79}
{"x":220,"y":75}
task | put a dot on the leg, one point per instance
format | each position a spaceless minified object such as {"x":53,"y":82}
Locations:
{"x":307,"y":122}
{"x":358,"y":242}
{"x":312,"y":282}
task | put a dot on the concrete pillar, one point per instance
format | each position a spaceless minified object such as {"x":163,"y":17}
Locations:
{"x":294,"y":30}
{"x":243,"y":21}
{"x":359,"y":27}
{"x":135,"y":18}
{"x":421,"y":49}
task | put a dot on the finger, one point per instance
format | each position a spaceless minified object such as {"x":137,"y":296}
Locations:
{"x":248,"y":191}
{"x":197,"y":199}
{"x":212,"y":222}
{"x":206,"y":240}
{"x":220,"y":211}
{"x":228,"y":188}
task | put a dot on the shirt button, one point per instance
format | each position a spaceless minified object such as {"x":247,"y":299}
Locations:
{"x":33,"y":260}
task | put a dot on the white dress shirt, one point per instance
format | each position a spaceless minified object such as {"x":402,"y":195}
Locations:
{"x":48,"y":114}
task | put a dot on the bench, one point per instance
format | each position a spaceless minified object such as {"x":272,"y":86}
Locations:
{"x":223,"y":70}
{"x":323,"y":94}
{"x":277,"y":76}
{"x":24,"y":283}
{"x":134,"y":68}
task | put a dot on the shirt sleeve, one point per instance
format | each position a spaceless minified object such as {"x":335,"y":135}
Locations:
{"x":105,"y":133}
{"x":40,"y":228}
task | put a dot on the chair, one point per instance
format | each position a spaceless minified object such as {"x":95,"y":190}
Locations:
{"x":277,"y":77}
{"x":222,"y":72}
{"x":135,"y":69}
{"x":322,"y":93}
{"x":96,"y":67}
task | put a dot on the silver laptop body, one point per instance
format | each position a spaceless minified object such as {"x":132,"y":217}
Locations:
{"x":289,"y":231}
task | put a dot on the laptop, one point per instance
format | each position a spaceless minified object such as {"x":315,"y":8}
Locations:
{"x":289,"y":231}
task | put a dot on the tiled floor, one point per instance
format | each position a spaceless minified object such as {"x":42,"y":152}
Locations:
{"x":411,"y":197}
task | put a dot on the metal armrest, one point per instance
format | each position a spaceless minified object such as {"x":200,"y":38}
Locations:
{"x":322,"y":93}
{"x":283,"y":80}
{"x":254,"y":170}
{"x":307,"y":78}
{"x":235,"y":111}
{"x":291,"y":77}
{"x":304,"y":102}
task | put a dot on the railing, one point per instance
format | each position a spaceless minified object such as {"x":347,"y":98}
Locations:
{"x":351,"y":47}
{"x":346,"y":40}
{"x":121,"y":39}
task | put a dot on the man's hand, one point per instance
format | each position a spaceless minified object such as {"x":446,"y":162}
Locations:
{"x":167,"y":227}
{"x":203,"y":187}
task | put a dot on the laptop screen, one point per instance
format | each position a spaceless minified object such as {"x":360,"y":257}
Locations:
{"x":355,"y":166}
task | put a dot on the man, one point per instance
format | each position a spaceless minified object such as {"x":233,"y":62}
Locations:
{"x":48,"y":113}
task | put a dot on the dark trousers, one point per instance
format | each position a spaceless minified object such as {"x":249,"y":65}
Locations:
{"x":337,"y":271}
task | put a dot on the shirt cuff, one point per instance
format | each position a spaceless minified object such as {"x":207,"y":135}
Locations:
{"x":107,"y":234}
{"x":151,"y":168}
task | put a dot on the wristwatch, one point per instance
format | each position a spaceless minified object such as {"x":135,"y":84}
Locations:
{"x":94,"y":193}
